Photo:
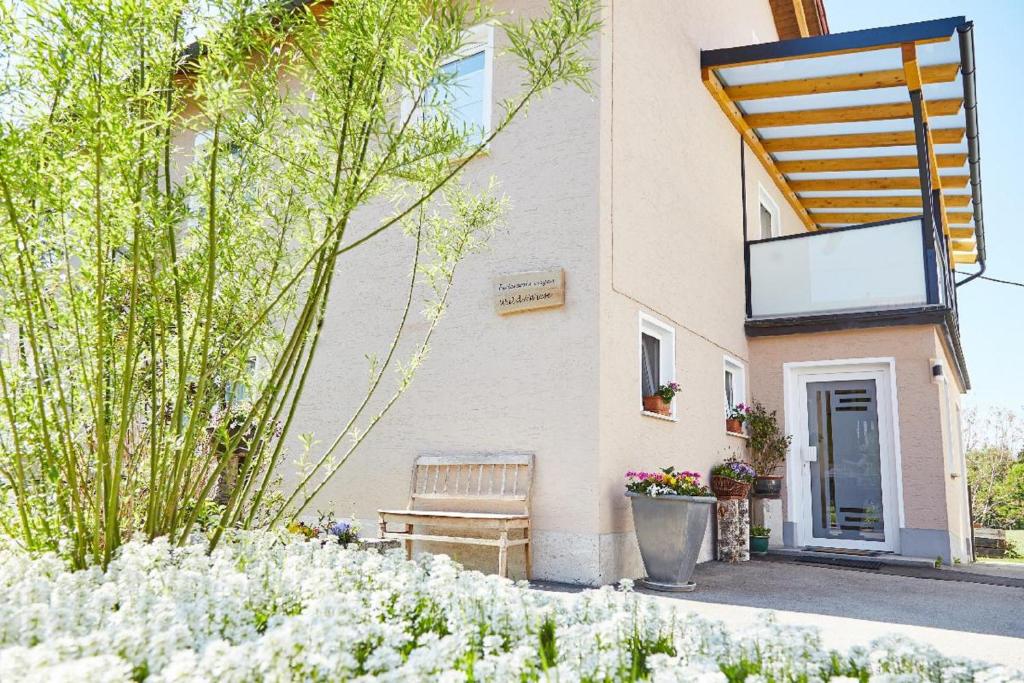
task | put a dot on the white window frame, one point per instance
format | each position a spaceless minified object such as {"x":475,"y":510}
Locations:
{"x":666,"y":336}
{"x":767,"y":201}
{"x":479,"y":38}
{"x":739,"y":381}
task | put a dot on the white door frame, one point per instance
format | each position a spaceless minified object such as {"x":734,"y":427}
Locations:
{"x":798,"y":508}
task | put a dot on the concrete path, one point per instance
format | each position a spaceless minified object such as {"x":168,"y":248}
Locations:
{"x":854,"y":607}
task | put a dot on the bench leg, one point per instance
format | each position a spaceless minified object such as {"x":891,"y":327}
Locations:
{"x":408,"y":543}
{"x":528,"y":549}
{"x":503,"y":554}
{"x":382,"y":526}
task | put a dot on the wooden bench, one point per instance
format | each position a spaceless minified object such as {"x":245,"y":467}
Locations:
{"x":473,"y":493}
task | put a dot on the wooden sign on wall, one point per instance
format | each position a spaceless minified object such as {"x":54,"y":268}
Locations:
{"x":528,"y":291}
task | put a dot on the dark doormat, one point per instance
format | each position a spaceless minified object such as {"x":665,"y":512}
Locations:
{"x":849,"y":563}
{"x":842,"y":551}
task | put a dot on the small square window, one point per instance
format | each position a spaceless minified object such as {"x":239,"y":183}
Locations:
{"x":657,"y":356}
{"x":769,"y":214}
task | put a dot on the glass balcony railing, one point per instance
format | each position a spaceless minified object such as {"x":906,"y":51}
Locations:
{"x":881,"y":266}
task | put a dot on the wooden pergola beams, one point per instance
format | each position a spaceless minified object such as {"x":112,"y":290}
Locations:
{"x":949,"y":136}
{"x":868,"y":80}
{"x":734,"y":115}
{"x":949,"y":182}
{"x":867,"y":164}
{"x":879,"y":202}
{"x":840,"y":161}
{"x":867,"y":112}
{"x":854,"y":217}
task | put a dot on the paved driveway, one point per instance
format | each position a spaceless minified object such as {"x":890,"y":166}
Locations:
{"x":854,"y":607}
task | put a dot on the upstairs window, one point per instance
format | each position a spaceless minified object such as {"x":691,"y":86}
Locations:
{"x":463,"y":87}
{"x":769,"y":213}
{"x":657,"y":356}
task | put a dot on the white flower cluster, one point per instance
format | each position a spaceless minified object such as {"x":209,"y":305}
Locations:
{"x":267,"y":608}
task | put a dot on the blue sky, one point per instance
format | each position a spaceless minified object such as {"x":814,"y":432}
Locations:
{"x":991,"y":314}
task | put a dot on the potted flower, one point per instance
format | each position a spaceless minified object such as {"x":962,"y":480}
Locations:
{"x":734,"y":419}
{"x":660,"y":401}
{"x":731,"y":479}
{"x":670,"y":516}
{"x":768,"y":448}
{"x":759,"y":536}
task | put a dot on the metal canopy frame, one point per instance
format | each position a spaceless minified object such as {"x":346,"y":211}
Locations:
{"x":860,"y":127}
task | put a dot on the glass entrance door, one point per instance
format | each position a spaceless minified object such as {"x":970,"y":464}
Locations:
{"x":846,"y":476}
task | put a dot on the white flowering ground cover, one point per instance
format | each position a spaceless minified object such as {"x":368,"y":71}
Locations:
{"x":263,"y":607}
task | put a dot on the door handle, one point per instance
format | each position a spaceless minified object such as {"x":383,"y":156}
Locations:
{"x":810,"y":453}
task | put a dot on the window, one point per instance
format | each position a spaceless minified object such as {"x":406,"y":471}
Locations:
{"x":735,"y":383}
{"x":657,"y":356}
{"x":464,"y":86}
{"x":769,"y":212}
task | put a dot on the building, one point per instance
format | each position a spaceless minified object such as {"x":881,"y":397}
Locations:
{"x":737,"y":208}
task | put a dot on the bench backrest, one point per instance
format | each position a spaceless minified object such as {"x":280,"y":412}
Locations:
{"x":501,"y":479}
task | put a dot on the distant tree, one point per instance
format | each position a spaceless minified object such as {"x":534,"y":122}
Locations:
{"x":995,"y":467}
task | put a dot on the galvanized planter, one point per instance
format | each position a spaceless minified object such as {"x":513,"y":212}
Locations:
{"x":670,"y":530}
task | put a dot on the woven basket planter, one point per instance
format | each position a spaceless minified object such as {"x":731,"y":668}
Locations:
{"x":729,"y":489}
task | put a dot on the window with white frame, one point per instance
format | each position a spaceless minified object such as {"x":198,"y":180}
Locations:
{"x":768,"y":210}
{"x":735,"y":377}
{"x":657,"y":356}
{"x":463,"y":86}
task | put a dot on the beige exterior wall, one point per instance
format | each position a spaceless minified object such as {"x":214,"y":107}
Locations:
{"x":636,"y":192}
{"x":931,"y":501}
{"x":671,"y":242}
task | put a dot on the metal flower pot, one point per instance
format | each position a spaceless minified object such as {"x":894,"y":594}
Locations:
{"x":670,"y":531}
{"x":768,"y":487}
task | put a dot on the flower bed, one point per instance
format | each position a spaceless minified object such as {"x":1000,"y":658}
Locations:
{"x":263,"y":607}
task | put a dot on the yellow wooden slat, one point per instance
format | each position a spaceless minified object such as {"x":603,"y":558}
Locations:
{"x":894,"y":183}
{"x":801,"y":18}
{"x":961,"y":233}
{"x":947,"y":136}
{"x":879,"y":202}
{"x":963,"y":245}
{"x":886,"y":163}
{"x":734,"y":115}
{"x":868,"y":112}
{"x":867,"y":80}
{"x":962,"y":257}
{"x":851,"y":217}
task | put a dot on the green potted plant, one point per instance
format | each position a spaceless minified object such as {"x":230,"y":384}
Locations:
{"x":768,"y":448}
{"x":734,"y":419}
{"x":731,"y":479}
{"x":660,"y":402}
{"x":759,"y":536}
{"x":670,"y":516}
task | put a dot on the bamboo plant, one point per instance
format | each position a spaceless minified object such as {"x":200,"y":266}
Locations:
{"x":181,"y":184}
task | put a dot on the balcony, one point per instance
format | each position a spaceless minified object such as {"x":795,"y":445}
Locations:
{"x":886,"y":269}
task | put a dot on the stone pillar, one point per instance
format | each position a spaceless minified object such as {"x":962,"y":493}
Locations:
{"x":767,"y":512}
{"x":733,"y":530}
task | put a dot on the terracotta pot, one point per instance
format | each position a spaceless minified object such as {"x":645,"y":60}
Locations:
{"x":768,"y":487}
{"x":733,"y":426}
{"x":656,"y":404}
{"x":725,"y":488}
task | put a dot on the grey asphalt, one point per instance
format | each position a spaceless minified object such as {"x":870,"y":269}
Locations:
{"x":880,"y":597}
{"x":853,"y":607}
